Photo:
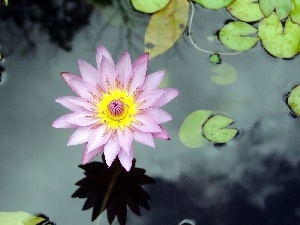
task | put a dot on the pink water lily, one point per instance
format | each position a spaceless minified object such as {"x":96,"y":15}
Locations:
{"x":115,"y":104}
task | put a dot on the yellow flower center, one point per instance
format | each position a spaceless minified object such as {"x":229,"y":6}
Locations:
{"x":117,"y":109}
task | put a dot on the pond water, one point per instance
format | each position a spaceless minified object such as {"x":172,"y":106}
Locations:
{"x":253,"y":179}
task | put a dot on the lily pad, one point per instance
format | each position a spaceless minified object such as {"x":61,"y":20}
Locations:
{"x":279,"y":41}
{"x":16,"y":218}
{"x":214,"y":4}
{"x":224,"y":74}
{"x":190,"y":133}
{"x":238,"y":36}
{"x":295,"y":13}
{"x":215,"y":58}
{"x":245,"y":10}
{"x":149,"y":6}
{"x":283,"y":7}
{"x":215,"y":129}
{"x":294,"y":100}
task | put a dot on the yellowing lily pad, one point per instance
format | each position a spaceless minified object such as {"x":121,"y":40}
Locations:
{"x":245,"y":10}
{"x":224,"y":74}
{"x":165,"y":27}
{"x":294,"y":100}
{"x":215,"y":129}
{"x":149,"y":6}
{"x":238,"y":36}
{"x":295,"y":13}
{"x":214,"y":4}
{"x":283,"y":7}
{"x":190,"y":133}
{"x":278,"y":41}
{"x":19,"y":218}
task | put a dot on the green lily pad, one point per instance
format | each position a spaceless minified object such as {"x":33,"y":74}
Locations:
{"x":215,"y":131}
{"x":190,"y":133}
{"x":22,"y":218}
{"x":214,"y":4}
{"x":215,"y":58}
{"x":245,"y":10}
{"x":294,"y":100}
{"x":224,"y":74}
{"x":149,"y":6}
{"x":238,"y":36}
{"x":283,"y":7}
{"x":295,"y":13}
{"x":282,"y":42}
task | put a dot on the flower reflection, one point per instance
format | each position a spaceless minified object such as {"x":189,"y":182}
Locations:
{"x":113,"y":189}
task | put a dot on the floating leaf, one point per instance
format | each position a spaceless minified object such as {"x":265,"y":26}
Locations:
{"x":165,"y":27}
{"x":278,"y":41}
{"x":190,"y":133}
{"x":238,"y":36}
{"x":22,"y":218}
{"x":283,"y":7}
{"x":215,"y":58}
{"x":149,"y":6}
{"x":294,"y":100}
{"x":224,"y":74}
{"x":215,"y":131}
{"x":295,"y":13}
{"x":245,"y":10}
{"x":214,"y":4}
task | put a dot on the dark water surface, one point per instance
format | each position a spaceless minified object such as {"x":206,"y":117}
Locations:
{"x":253,"y":180}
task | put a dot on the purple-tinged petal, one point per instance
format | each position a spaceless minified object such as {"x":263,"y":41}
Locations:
{"x":87,"y":157}
{"x":87,"y":104}
{"x":158,"y":115}
{"x":62,"y":123}
{"x":170,"y":93}
{"x":89,"y":73}
{"x":98,"y":138}
{"x":84,"y":118}
{"x":101,"y":51}
{"x":123,"y":68}
{"x":111,"y":150}
{"x":145,"y":124}
{"x":108,"y":73}
{"x":125,"y":138}
{"x":162,"y":135}
{"x":149,"y":98}
{"x":153,"y":80}
{"x":70,"y":76}
{"x":126,"y":159}
{"x":66,"y":103}
{"x":138,"y":77}
{"x":141,"y":59}
{"x":144,"y":138}
{"x":80,"y":136}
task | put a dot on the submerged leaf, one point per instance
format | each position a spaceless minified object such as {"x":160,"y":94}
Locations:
{"x":214,"y":4}
{"x":149,"y":6}
{"x":237,"y":36}
{"x":245,"y":10}
{"x":278,"y":41}
{"x":165,"y":27}
{"x":16,"y":218}
{"x":283,"y":7}
{"x":224,"y":74}
{"x":215,"y":131}
{"x":295,"y":13}
{"x":294,"y":100}
{"x":190,"y":133}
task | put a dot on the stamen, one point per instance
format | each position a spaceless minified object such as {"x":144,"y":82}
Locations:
{"x":116,"y":108}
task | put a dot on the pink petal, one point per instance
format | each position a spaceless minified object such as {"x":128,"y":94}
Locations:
{"x":123,"y":68}
{"x":170,"y":93}
{"x":162,"y":135}
{"x":82,"y":118}
{"x":80,"y":136}
{"x":108,"y":73}
{"x":158,"y":115}
{"x":141,"y":59}
{"x":89,"y":73}
{"x":98,"y":138}
{"x":138,"y":76}
{"x":111,"y":150}
{"x":87,"y":157}
{"x":149,"y":98}
{"x":66,"y":103}
{"x":153,"y":80}
{"x":62,"y":123}
{"x":126,"y":159}
{"x":70,"y":76}
{"x":125,"y":138}
{"x":145,"y":124}
{"x":101,"y":51}
{"x":144,"y":138}
{"x":83,"y":103}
